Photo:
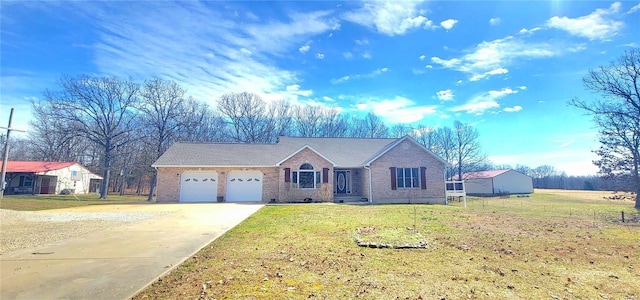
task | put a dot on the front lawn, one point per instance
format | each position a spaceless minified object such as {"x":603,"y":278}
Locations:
{"x":44,"y":202}
{"x":543,"y":247}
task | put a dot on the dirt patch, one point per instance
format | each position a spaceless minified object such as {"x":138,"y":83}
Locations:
{"x":391,"y":237}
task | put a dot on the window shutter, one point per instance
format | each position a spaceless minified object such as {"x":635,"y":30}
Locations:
{"x":287,"y":174}
{"x":423,"y":178}
{"x":393,"y":178}
{"x":325,"y":175}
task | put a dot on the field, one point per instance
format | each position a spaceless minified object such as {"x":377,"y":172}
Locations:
{"x":550,"y":245}
{"x":44,"y":202}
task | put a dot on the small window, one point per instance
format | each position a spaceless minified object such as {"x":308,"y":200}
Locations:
{"x":26,"y":181}
{"x":407,"y":178}
{"x":307,"y":178}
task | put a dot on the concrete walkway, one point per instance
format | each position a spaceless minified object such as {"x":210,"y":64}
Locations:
{"x":117,"y":263}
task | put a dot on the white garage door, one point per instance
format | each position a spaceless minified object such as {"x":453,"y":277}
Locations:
{"x":244,"y":186}
{"x":198,"y":186}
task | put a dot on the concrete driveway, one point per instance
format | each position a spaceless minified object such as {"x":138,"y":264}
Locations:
{"x":116,"y":263}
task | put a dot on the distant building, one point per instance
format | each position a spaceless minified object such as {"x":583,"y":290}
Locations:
{"x":49,"y":177}
{"x":497,"y":182}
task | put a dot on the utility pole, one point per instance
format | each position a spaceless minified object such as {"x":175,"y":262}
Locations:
{"x":5,"y":158}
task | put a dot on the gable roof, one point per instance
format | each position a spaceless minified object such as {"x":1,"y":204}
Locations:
{"x":481,"y":174}
{"x":400,"y":140}
{"x":342,"y":152}
{"x":17,"y":166}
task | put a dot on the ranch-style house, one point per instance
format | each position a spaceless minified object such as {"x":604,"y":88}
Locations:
{"x":397,"y":170}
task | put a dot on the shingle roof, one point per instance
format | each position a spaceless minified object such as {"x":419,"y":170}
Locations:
{"x":35,"y":166}
{"x":344,"y":152}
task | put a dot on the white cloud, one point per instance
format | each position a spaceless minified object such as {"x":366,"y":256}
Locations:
{"x":448,"y":24}
{"x":422,"y":57}
{"x":294,"y":89}
{"x":362,"y":42}
{"x":459,"y":82}
{"x":496,"y":71}
{"x":492,"y":58}
{"x":594,"y":26}
{"x":525,"y":31}
{"x":366,"y":55}
{"x":390,"y":18}
{"x":479,"y":104}
{"x":347,"y":55}
{"x":371,"y":74}
{"x":445,"y":95}
{"x":494,"y":21}
{"x":304,"y":49}
{"x":320,"y":55}
{"x":634,"y":9}
{"x":327,"y":98}
{"x":397,"y":110}
{"x":516,"y":108}
{"x":523,"y":87}
{"x":428,"y":67}
{"x":206,"y":60}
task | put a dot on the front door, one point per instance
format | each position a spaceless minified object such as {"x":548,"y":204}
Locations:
{"x":343,"y":182}
{"x":44,"y":185}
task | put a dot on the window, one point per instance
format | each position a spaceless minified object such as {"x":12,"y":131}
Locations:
{"x":407,"y":178}
{"x":26,"y":181}
{"x":306,"y":177}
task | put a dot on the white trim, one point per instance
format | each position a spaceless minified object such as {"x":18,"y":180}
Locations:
{"x":399,"y":141}
{"x":299,"y":150}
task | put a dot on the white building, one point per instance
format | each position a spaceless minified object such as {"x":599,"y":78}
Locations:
{"x":47,"y":177}
{"x":497,"y":182}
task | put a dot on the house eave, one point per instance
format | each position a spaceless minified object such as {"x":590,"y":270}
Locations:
{"x":213,"y":166}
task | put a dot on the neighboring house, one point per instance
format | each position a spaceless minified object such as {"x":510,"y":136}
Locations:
{"x":497,"y":182}
{"x":47,"y":177}
{"x":302,"y":169}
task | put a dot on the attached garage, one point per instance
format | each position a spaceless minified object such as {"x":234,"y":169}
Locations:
{"x":199,"y":186}
{"x":244,"y":186}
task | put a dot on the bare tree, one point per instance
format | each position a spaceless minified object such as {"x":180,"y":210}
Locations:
{"x":164,"y":115}
{"x":334,"y":124}
{"x":53,"y":139}
{"x":202,"y":124}
{"x":371,"y":126}
{"x":617,"y":114}
{"x":100,"y":109}
{"x":445,"y":147}
{"x":468,"y":155}
{"x":251,"y":120}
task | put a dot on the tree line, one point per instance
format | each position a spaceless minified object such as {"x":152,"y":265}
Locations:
{"x":118,"y":127}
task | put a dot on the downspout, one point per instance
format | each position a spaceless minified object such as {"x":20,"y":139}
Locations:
{"x":156,"y":186}
{"x":444,"y":174}
{"x":370,"y":187}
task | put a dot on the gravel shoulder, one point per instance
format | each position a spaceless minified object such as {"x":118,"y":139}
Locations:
{"x":27,"y":229}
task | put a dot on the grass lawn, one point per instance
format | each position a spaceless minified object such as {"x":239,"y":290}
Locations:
{"x":543,"y":247}
{"x":44,"y":202}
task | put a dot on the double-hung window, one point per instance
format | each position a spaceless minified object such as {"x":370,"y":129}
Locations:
{"x":407,"y":178}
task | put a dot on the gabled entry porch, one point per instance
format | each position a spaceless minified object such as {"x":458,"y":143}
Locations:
{"x":347,"y":185}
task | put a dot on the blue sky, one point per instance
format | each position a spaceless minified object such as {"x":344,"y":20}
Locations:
{"x":507,"y":67}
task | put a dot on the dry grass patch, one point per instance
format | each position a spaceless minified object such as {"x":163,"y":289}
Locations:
{"x":45,"y":202}
{"x":491,"y":250}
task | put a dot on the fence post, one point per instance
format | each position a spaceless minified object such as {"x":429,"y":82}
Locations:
{"x":623,"y":216}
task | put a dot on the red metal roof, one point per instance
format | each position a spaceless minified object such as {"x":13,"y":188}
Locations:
{"x":35,"y":166}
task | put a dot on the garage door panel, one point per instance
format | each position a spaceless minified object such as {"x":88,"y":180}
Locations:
{"x":198,"y":186}
{"x":244,"y":186}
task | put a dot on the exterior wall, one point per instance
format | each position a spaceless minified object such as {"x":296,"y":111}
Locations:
{"x":407,"y":155}
{"x":479,"y":186}
{"x":289,"y":192}
{"x":64,"y":180}
{"x":168,"y":188}
{"x":513,"y":182}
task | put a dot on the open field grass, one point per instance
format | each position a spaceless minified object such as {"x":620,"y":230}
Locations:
{"x":547,"y":246}
{"x":44,"y":202}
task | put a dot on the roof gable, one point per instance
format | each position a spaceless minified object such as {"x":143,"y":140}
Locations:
{"x":398,"y":142}
{"x":300,"y":150}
